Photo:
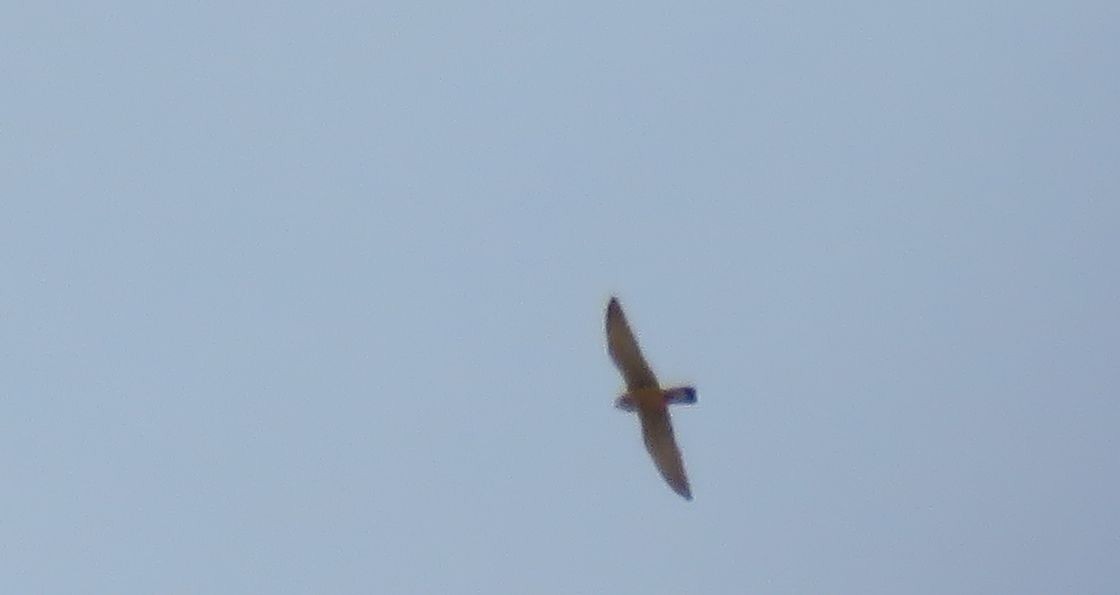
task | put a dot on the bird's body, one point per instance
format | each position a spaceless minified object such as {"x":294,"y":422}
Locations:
{"x":646,"y":397}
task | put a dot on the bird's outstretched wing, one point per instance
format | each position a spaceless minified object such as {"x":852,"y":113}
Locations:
{"x":658,"y":433}
{"x":624,"y":350}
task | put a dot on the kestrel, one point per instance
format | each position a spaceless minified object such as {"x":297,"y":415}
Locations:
{"x":651,"y":402}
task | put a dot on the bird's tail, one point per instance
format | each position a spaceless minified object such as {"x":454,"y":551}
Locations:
{"x":681,"y":395}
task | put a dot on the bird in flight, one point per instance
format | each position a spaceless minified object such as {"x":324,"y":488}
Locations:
{"x":645,"y":396}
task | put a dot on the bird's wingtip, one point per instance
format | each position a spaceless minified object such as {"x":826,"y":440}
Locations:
{"x":613,"y":305}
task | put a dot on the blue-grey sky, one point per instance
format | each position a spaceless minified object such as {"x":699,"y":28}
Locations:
{"x":308,"y":297}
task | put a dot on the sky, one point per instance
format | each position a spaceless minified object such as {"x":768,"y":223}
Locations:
{"x":308,"y":297}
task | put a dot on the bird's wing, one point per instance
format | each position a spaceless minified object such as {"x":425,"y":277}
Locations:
{"x":658,"y":433}
{"x":624,"y":350}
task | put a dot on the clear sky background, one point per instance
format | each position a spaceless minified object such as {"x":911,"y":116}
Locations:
{"x":308,"y":297}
